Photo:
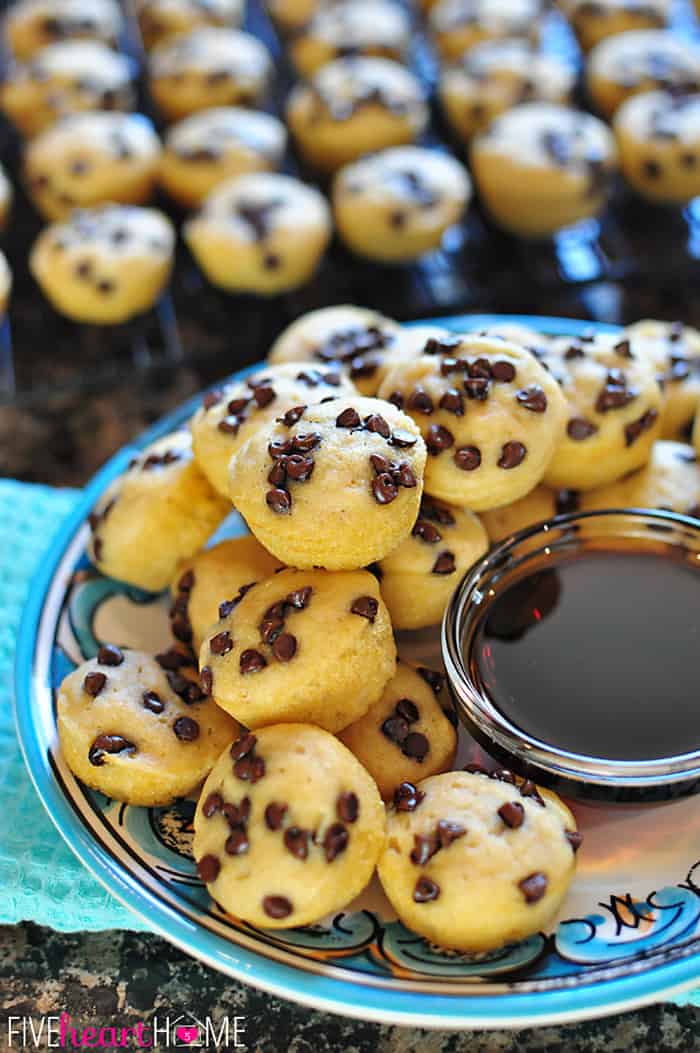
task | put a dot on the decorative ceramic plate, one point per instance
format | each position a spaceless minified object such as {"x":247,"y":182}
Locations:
{"x":627,"y":934}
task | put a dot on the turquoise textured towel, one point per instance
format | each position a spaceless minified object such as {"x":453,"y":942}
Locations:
{"x":40,"y":879}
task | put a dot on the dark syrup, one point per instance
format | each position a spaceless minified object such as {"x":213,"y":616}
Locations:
{"x":600,"y":655}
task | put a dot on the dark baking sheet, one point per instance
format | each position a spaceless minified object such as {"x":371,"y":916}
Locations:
{"x":596,"y":270}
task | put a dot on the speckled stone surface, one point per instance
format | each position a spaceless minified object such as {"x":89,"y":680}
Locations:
{"x":119,"y":979}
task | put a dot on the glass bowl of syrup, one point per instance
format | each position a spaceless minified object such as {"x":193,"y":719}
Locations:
{"x":573,"y":654}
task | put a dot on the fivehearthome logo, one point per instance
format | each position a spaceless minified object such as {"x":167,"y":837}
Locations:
{"x":26,"y":1033}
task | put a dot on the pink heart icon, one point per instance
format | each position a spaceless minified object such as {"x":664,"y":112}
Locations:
{"x":187,"y":1033}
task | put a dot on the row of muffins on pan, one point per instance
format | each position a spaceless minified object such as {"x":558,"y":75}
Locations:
{"x":281,"y":689}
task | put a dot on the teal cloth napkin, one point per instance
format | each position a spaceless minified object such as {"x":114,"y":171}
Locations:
{"x":40,"y":879}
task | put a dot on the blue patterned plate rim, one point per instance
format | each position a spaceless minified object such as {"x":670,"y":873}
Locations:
{"x":363,"y":1000}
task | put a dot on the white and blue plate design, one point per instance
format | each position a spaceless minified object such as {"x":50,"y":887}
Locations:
{"x":628,"y":933}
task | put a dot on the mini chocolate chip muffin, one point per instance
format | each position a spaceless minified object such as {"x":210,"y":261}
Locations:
{"x":6,"y":197}
{"x":262,"y":233}
{"x":473,"y":862}
{"x":303,"y":645}
{"x":540,"y":167}
{"x":337,"y":486}
{"x":594,"y":20}
{"x":495,"y":76}
{"x":288,"y":828}
{"x":158,"y":513}
{"x":208,"y":585}
{"x":212,"y":146}
{"x":457,"y":25}
{"x":161,"y":19}
{"x":64,"y":78}
{"x":658,"y":138}
{"x":31,"y":25}
{"x":106,"y":264}
{"x":398,"y":203}
{"x":669,"y":481}
{"x":353,"y":106}
{"x":229,"y":415}
{"x":208,"y":67}
{"x":674,"y":351}
{"x":614,"y":407}
{"x":137,"y":733}
{"x":490,"y":414}
{"x":351,"y":27}
{"x":418,"y":578}
{"x":639,"y":61}
{"x":539,"y":505}
{"x":89,"y":159}
{"x":405,"y":736}
{"x":5,"y":284}
{"x":356,"y":340}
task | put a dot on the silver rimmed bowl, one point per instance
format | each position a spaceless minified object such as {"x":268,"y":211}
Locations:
{"x":546,"y":545}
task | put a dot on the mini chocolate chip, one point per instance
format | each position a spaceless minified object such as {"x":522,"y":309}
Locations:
{"x":229,"y":425}
{"x":424,"y":848}
{"x":405,"y":476}
{"x":438,"y":439}
{"x":292,"y":416}
{"x":305,"y":442}
{"x":186,"y":729}
{"x":407,"y":797}
{"x":688,"y":160}
{"x":212,"y":805}
{"x":529,"y":789}
{"x":249,"y":769}
{"x":426,"y":890}
{"x":211,"y":399}
{"x":512,"y":454}
{"x":447,"y":832}
{"x":206,"y":680}
{"x":376,"y":423}
{"x":651,"y":169}
{"x":274,"y":815}
{"x":533,"y":887}
{"x":416,"y":747}
{"x":502,"y":775}
{"x":349,"y":418}
{"x":152,"y":701}
{"x":642,"y":424}
{"x":299,"y":599}
{"x":279,"y":501}
{"x":503,"y":371}
{"x":532,"y":398}
{"x":365,"y":607}
{"x":420,"y":401}
{"x":573,"y":352}
{"x":237,"y":843}
{"x":477,"y":388}
{"x":574,"y":838}
{"x":243,"y":746}
{"x":299,"y":468}
{"x":512,"y":813}
{"x":208,"y":868}
{"x":110,"y":654}
{"x":270,"y":627}
{"x":251,"y":661}
{"x":426,"y":532}
{"x":579,"y":429}
{"x":396,"y":399}
{"x":222,"y":643}
{"x":108,"y":744}
{"x":468,"y":458}
{"x":236,"y":815}
{"x":272,"y":261}
{"x":335,"y":841}
{"x":408,"y":710}
{"x":402,"y":439}
{"x":277,"y":475}
{"x":348,"y":807}
{"x":296,"y":841}
{"x":93,"y":683}
{"x":384,"y":489}
{"x":623,"y":348}
{"x":105,"y":286}
{"x":452,"y":402}
{"x":480,"y":368}
{"x":172,"y":659}
{"x":395,"y":728}
{"x":277,"y":907}
{"x":285,"y":647}
{"x":263,"y":395}
{"x":566,"y":501}
{"x":444,"y":564}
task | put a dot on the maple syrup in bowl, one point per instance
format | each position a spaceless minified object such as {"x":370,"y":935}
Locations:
{"x":573,"y":654}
